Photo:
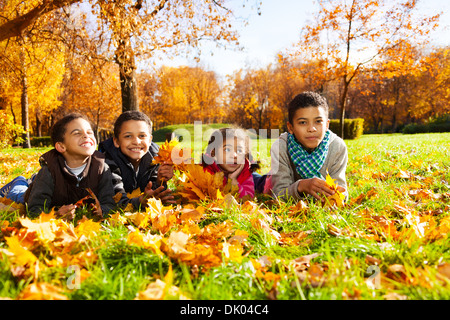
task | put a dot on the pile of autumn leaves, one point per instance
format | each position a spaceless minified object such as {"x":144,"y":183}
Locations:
{"x":176,"y":232}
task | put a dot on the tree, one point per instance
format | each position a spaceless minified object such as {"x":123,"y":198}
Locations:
{"x":257,"y":99}
{"x":137,"y":29}
{"x":347,"y":35}
{"x":91,"y":87}
{"x":188,"y":94}
{"x":32,"y":75}
{"x":14,"y":27}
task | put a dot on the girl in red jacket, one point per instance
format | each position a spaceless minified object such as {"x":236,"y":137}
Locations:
{"x":228,"y":151}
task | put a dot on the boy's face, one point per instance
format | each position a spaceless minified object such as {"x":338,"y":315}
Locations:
{"x":79,"y":140}
{"x":231,"y":155}
{"x":309,"y":126}
{"x":134,"y":140}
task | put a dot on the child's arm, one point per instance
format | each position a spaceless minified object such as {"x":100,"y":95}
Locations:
{"x":106,"y":191}
{"x":40,"y":192}
{"x":337,"y":164}
{"x":284,"y":184}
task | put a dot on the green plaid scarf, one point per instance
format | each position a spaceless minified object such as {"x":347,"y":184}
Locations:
{"x":308,"y":164}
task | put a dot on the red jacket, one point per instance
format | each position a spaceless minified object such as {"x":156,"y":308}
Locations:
{"x":245,"y":179}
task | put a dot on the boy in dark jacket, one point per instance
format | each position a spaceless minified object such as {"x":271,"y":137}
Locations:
{"x":69,"y":169}
{"x":130,"y":154}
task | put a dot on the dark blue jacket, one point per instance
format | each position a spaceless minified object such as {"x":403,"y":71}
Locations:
{"x":125,"y":179}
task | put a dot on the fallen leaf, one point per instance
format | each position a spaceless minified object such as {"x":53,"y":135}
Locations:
{"x":41,"y":291}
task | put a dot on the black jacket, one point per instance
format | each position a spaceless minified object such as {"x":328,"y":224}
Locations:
{"x":125,"y":179}
{"x":55,"y":185}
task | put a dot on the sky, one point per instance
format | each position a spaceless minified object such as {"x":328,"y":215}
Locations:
{"x":277,"y":28}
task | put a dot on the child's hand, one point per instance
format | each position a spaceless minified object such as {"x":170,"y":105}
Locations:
{"x":235,"y":174}
{"x":96,"y":208}
{"x":66,"y":212}
{"x":315,"y":187}
{"x":165,"y":172}
{"x":159,"y":193}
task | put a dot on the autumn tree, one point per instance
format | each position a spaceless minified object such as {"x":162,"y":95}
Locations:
{"x":431,"y":91}
{"x":345,"y":36}
{"x":91,"y":87}
{"x":32,"y":76}
{"x":133,"y":30}
{"x":186,"y":94}
{"x":257,"y":99}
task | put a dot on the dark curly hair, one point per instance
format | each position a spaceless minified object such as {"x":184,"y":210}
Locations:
{"x":59,"y":128}
{"x":131,"y":115}
{"x":304,"y":100}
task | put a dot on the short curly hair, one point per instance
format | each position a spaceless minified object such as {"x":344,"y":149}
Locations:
{"x":131,"y":115}
{"x":304,"y":100}
{"x":59,"y":128}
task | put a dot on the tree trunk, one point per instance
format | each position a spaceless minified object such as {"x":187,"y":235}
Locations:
{"x":128,"y":86}
{"x":38,"y":115}
{"x":127,"y":67}
{"x":24,"y":105}
{"x":342,"y":108}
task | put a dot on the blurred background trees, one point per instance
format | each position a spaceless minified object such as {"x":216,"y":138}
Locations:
{"x":58,"y":56}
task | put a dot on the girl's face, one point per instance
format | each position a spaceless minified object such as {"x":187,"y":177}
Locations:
{"x":309,"y":126}
{"x":134,"y":140}
{"x":231,"y":155}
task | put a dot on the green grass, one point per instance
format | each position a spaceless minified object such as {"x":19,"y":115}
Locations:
{"x":123,"y":270}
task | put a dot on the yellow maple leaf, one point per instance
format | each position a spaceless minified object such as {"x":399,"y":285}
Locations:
{"x":116,"y":219}
{"x":134,"y":194}
{"x":337,"y":199}
{"x":45,"y":230}
{"x":148,"y":241}
{"x":160,"y":290}
{"x":196,"y":184}
{"x":165,"y":152}
{"x":19,"y":254}
{"x":87,"y":227}
{"x":140,"y":218}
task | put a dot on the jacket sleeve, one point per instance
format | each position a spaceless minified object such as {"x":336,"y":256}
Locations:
{"x":118,"y":187}
{"x":338,"y":163}
{"x":106,"y":191}
{"x":284,"y":184}
{"x":41,"y":192}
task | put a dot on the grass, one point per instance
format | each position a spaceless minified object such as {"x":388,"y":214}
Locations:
{"x":384,"y":174}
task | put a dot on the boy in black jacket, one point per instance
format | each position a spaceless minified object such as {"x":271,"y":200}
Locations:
{"x":130,"y":154}
{"x":69,"y":169}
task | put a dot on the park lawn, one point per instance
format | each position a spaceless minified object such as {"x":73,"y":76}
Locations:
{"x":390,"y":241}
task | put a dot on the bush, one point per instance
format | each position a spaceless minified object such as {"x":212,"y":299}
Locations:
{"x":437,"y":124}
{"x":41,"y":141}
{"x":9,"y":131}
{"x":353,"y":128}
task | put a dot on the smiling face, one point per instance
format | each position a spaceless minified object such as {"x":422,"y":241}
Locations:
{"x":134,"y":140}
{"x":309,"y":126}
{"x":78,"y":142}
{"x":231,"y":155}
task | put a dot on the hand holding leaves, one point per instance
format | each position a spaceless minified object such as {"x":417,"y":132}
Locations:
{"x":159,"y":193}
{"x":165,"y":172}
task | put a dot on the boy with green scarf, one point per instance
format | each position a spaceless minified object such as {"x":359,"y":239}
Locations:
{"x":302,"y":157}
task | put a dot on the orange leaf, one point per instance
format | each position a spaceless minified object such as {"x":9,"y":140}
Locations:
{"x":42,"y":291}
